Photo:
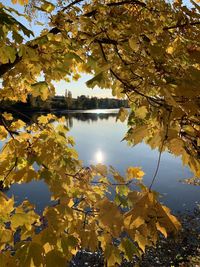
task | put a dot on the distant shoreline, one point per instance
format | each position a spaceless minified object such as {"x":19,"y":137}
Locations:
{"x":23,"y":109}
{"x":63,"y":104}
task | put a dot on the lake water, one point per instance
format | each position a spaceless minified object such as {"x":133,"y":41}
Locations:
{"x":98,"y":140}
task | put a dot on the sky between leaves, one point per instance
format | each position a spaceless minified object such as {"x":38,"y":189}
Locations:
{"x":77,"y":88}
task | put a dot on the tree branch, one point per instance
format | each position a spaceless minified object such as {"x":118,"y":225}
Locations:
{"x":132,"y":2}
{"x":72,"y":4}
{"x":182,"y":25}
{"x":11,"y":133}
{"x":10,"y":170}
{"x":120,"y":3}
{"x":8,"y":66}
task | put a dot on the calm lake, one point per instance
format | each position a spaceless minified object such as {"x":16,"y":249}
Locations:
{"x":98,"y":140}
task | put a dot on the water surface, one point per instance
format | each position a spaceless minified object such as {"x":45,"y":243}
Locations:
{"x":98,"y":140}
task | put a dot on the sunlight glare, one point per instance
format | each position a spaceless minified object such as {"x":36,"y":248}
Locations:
{"x":99,"y":156}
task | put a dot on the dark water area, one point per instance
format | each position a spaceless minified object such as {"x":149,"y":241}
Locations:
{"x":98,"y":140}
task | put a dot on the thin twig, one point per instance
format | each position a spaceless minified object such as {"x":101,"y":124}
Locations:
{"x":128,"y":87}
{"x":11,"y":169}
{"x":27,"y":116}
{"x":161,"y":150}
{"x":11,"y":133}
{"x":71,"y":4}
{"x":112,"y":184}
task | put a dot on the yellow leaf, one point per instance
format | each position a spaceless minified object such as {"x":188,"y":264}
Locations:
{"x":96,"y":80}
{"x":173,"y":46}
{"x":47,"y":6}
{"x":141,"y":112}
{"x":137,"y":222}
{"x":70,"y":203}
{"x":176,"y":146}
{"x":169,"y":97}
{"x":3,"y":133}
{"x":112,"y":255}
{"x":110,"y":216}
{"x":198,"y":141}
{"x":101,"y":169}
{"x":146,"y":217}
{"x":31,"y":254}
{"x":7,"y":260}
{"x":155,"y":140}
{"x":5,"y":236}
{"x":7,"y":116}
{"x":21,"y":2}
{"x":26,"y":219}
{"x":134,"y":44}
{"x":141,"y":240}
{"x":6,"y":206}
{"x":122,"y":114}
{"x":161,"y":229}
{"x":133,"y":197}
{"x":134,"y":172}
{"x":16,"y":125}
{"x":47,"y":247}
{"x":40,"y":89}
{"x":170,"y":50}
{"x":43,"y":119}
{"x":167,"y":220}
{"x":137,"y":134}
{"x":128,"y":248}
{"x":69,"y":243}
{"x":118,"y":178}
{"x":55,"y":258}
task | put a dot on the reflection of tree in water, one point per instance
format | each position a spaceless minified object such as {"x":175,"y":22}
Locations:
{"x":87,"y":117}
{"x":30,"y":117}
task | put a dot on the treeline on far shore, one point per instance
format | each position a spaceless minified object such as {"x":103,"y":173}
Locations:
{"x":85,"y":102}
{"x":67,"y":103}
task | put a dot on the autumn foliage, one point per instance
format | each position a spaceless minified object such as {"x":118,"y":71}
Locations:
{"x":145,"y":51}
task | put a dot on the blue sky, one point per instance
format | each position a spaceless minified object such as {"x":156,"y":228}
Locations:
{"x":79,"y":87}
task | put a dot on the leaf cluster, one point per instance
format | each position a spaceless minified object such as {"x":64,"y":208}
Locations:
{"x":145,"y":51}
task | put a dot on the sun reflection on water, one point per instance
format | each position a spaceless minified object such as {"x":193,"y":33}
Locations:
{"x":99,"y":157}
